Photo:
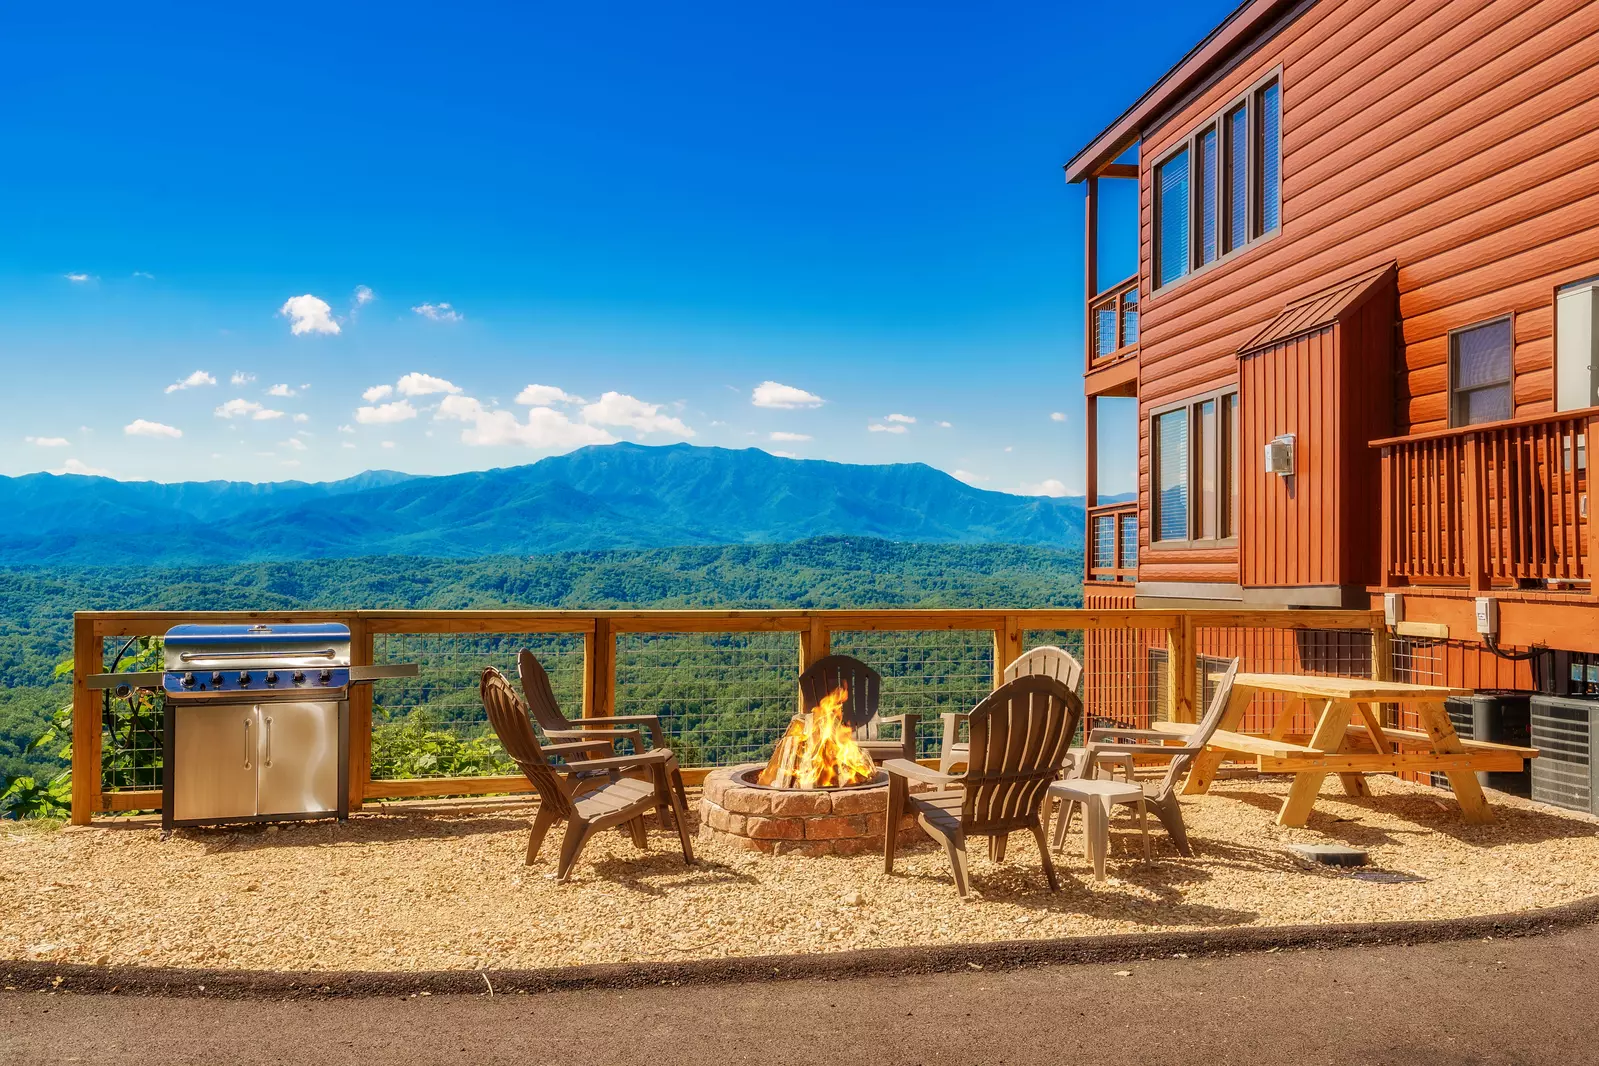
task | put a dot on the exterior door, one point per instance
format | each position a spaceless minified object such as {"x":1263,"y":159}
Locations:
{"x":1576,"y":346}
{"x":214,"y":762}
{"x":299,"y":757}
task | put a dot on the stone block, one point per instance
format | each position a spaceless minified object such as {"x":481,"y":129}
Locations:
{"x":806,"y":848}
{"x":861,"y":801}
{"x":800,"y":803}
{"x":744,"y":800}
{"x":725,"y":821}
{"x":773,"y":828}
{"x":834,"y":827}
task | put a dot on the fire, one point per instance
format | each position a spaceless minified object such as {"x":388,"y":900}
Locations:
{"x":819,"y":750}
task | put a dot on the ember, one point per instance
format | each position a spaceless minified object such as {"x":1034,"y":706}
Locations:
{"x":819,"y":750}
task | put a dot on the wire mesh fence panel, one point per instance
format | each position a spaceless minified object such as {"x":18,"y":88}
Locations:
{"x":1124,"y":672}
{"x":131,"y":727}
{"x":723,"y":698}
{"x":927,"y":673}
{"x":434,"y":725}
{"x":1266,"y":650}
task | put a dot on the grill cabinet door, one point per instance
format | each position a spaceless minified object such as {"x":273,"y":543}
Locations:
{"x":299,"y":758}
{"x":214,"y":762}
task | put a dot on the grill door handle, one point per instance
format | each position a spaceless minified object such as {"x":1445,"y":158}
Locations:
{"x":266,"y":759}
{"x":246,"y":743}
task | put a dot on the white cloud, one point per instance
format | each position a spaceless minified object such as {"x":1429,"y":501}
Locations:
{"x":425,"y":385}
{"x":241,"y":378}
{"x":398,"y":411}
{"x":944,"y":425}
{"x":193,"y":381}
{"x":141,"y":428}
{"x":783,"y":455}
{"x":302,"y":417}
{"x":266,"y":414}
{"x":1057,"y":416}
{"x":967,"y":476}
{"x":781,"y":435}
{"x":377,"y":392}
{"x":77,"y":466}
{"x":545,"y":427}
{"x":1010,"y":448}
{"x":1048,"y":487}
{"x":294,"y":443}
{"x":364,"y":295}
{"x":280,"y":390}
{"x":545,"y":396}
{"x":438,"y":312}
{"x":346,"y":429}
{"x":308,"y":314}
{"x":78,"y":279}
{"x":48,"y":442}
{"x":878,"y":427}
{"x":907,"y":419}
{"x":291,"y":462}
{"x":144,"y":274}
{"x":237,"y":409}
{"x":773,"y":394}
{"x":620,"y":409}
{"x":388,"y":444}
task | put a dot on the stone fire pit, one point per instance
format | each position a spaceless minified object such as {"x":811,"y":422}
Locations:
{"x":822,"y":821}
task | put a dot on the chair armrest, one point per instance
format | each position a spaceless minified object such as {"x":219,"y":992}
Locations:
{"x":917,"y":772}
{"x":633,"y":736}
{"x":575,"y":746}
{"x":651,"y":722}
{"x":1157,"y":751}
{"x":620,"y":762}
{"x":1104,"y":733}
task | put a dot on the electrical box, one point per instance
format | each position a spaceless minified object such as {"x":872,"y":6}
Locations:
{"x":1280,"y":455}
{"x":1487,"y":617}
{"x":1393,"y":608}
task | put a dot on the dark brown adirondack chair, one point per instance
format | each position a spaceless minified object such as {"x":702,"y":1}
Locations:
{"x":1019,"y":738}
{"x":622,"y":802}
{"x":546,"y":711}
{"x":1048,"y":661}
{"x":860,"y":710}
{"x":1160,"y":796}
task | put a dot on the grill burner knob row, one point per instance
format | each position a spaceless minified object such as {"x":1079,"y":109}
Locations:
{"x":188,"y":680}
{"x":216,"y":678}
{"x":272,"y":677}
{"x":325,"y":677}
{"x":244,"y":678}
{"x":299,"y":677}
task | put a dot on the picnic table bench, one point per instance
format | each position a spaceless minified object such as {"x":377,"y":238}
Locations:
{"x":1350,"y":740}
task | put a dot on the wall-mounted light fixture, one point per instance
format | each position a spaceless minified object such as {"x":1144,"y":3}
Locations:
{"x":1280,"y":455}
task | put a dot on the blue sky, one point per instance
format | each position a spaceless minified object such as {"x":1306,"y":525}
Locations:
{"x":355,"y":235}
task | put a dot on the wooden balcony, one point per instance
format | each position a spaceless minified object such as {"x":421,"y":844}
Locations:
{"x":1498,"y":505}
{"x":1112,"y":349}
{"x":1113,"y":542}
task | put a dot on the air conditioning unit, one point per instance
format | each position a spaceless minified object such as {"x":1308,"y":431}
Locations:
{"x":1280,"y":455}
{"x":1565,"y":773}
{"x":1499,"y":718}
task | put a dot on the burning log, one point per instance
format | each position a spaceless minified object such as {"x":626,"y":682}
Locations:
{"x":818,"y":750}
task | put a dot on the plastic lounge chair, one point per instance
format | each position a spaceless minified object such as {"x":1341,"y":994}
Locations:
{"x":1048,"y":661}
{"x":860,"y":710}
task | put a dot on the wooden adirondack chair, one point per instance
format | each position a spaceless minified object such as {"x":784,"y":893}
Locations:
{"x":860,"y":710}
{"x":1019,"y":738}
{"x":1048,"y":661}
{"x":546,"y":711}
{"x":1159,"y":796}
{"x":621,"y":802}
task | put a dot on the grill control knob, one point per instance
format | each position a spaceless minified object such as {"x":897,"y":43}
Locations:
{"x":244,"y":678}
{"x":188,"y":680}
{"x":299,"y":677}
{"x":216,"y":678}
{"x":326,"y":677}
{"x":272,"y":677}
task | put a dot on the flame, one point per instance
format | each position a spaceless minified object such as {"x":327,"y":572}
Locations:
{"x":819,"y":750}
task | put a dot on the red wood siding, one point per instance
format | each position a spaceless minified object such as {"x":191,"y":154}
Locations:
{"x":1459,"y":138}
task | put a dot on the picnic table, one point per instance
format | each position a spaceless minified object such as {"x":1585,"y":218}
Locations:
{"x":1350,"y":740}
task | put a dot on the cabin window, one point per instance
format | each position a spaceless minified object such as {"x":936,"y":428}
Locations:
{"x":1196,"y":470}
{"x":1219,"y":190}
{"x":1480,"y":373}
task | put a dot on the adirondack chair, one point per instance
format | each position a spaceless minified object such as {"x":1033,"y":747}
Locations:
{"x":1048,"y":661}
{"x":546,"y":711}
{"x":1019,"y":737}
{"x":1159,"y":796}
{"x":622,"y":802}
{"x":860,"y":710}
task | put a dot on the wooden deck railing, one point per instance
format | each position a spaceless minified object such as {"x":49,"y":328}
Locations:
{"x":1113,"y":542}
{"x":1133,"y":658}
{"x":1502,"y":503}
{"x":1113,"y":324}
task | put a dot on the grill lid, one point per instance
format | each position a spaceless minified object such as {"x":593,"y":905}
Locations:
{"x":317,"y":644}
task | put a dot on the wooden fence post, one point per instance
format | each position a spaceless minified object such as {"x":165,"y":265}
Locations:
{"x":599,"y":670}
{"x":1382,"y":651}
{"x":816,"y":643}
{"x":1180,"y":668}
{"x":359,"y":759}
{"x":1007,"y":645}
{"x":88,"y":657}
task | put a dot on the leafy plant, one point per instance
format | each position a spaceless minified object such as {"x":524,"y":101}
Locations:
{"x":413,"y":747}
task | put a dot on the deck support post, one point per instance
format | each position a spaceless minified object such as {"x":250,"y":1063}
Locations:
{"x":360,"y":757}
{"x":88,"y":657}
{"x":599,"y":670}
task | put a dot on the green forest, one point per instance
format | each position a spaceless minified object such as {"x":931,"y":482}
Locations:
{"x":722,"y":694}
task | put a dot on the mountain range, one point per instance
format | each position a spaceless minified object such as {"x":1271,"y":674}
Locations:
{"x":599,"y":498}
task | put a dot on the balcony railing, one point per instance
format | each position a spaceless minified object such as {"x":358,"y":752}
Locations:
{"x":1113,"y":325}
{"x":1499,"y":504}
{"x":1113,"y":542}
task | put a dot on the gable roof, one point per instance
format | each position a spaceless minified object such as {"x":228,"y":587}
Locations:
{"x":1250,"y":24}
{"x":1320,"y":309}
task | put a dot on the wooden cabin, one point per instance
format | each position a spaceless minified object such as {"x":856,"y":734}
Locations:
{"x":1364,"y":333}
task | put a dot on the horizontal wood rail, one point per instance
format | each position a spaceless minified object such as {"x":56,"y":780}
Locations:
{"x":1113,"y":325}
{"x":1173,"y":631}
{"x":1502,"y":504}
{"x":1113,"y":542}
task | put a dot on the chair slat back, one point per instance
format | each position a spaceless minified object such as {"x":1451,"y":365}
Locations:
{"x":540,"y":696}
{"x":1204,"y":731}
{"x":509,"y":718}
{"x":1019,"y":738}
{"x":865,"y":690}
{"x":1048,"y":661}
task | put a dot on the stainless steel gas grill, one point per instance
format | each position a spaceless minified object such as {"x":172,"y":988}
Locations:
{"x":257,"y":724}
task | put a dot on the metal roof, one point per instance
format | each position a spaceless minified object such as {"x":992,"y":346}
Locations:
{"x":1320,"y":309}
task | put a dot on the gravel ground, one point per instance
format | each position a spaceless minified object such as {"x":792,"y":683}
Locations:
{"x":414,"y":887}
